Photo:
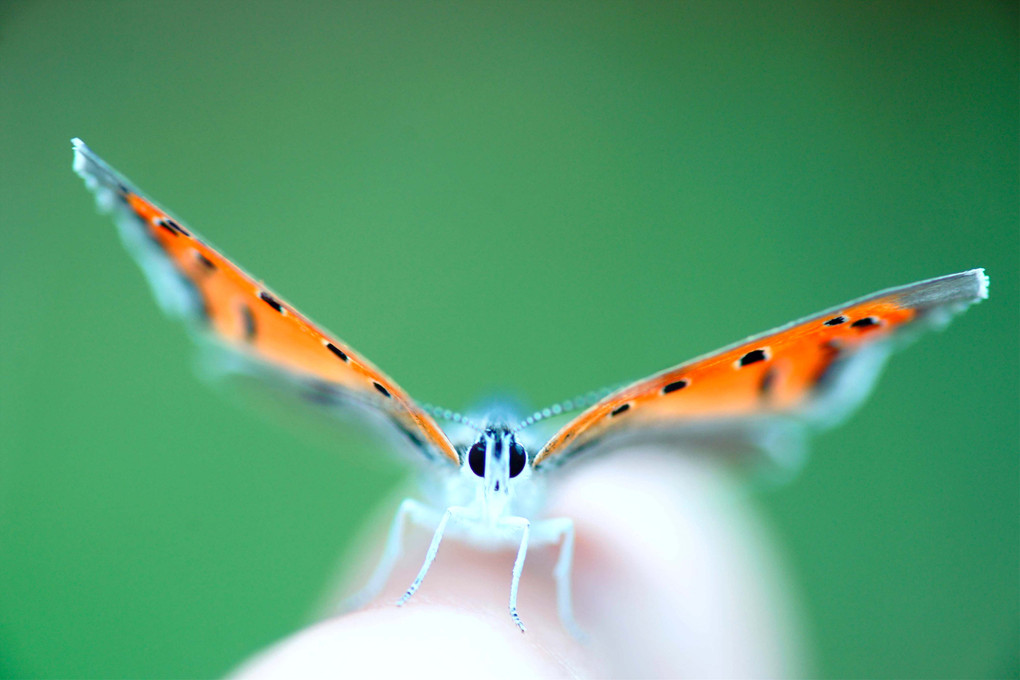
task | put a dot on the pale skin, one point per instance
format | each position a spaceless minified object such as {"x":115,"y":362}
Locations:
{"x":673,"y":576}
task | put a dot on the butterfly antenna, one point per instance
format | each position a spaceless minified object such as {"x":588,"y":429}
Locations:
{"x":576,"y":404}
{"x":452,"y":416}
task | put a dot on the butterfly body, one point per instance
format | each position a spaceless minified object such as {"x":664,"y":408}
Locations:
{"x":488,"y":478}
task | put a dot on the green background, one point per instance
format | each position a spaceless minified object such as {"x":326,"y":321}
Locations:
{"x":536,"y":198}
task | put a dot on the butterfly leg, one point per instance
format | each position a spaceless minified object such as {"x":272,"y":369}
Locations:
{"x":562,"y":530}
{"x":409,"y":509}
{"x":431,"y":555}
{"x":522,"y":552}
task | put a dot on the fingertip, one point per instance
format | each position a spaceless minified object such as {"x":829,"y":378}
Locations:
{"x":675,"y":572}
{"x":430,"y":641}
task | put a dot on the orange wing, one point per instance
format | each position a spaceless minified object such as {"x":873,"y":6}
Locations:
{"x":816,"y":369}
{"x":192,"y":280}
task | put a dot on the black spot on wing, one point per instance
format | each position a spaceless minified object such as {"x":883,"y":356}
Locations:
{"x":410,"y":434}
{"x":197,"y":303}
{"x":166,"y":225}
{"x":619,"y":409}
{"x":675,"y":385}
{"x":271,"y":301}
{"x":753,"y":357}
{"x":568,"y":453}
{"x":203,"y":307}
{"x":413,"y":437}
{"x":322,"y":393}
{"x":206,"y":263}
{"x":176,"y":226}
{"x":382,"y":390}
{"x":337,"y":351}
{"x":836,"y":320}
{"x":172,"y":226}
{"x":768,"y":382}
{"x":865,"y":322}
{"x":247,"y":323}
{"x":829,"y":365}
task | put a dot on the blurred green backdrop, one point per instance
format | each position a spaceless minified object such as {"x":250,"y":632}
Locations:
{"x":598,"y":177}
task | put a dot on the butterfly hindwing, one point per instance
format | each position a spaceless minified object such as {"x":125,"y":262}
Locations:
{"x":217,"y":298}
{"x":814,"y":370}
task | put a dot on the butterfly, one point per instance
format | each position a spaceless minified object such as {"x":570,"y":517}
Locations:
{"x":488,"y":474}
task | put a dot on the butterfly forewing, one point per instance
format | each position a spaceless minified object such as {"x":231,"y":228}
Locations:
{"x":192,"y":280}
{"x":816,"y":369}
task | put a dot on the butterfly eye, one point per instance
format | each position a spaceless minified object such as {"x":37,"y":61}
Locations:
{"x":517,"y":459}
{"x":476,"y":458}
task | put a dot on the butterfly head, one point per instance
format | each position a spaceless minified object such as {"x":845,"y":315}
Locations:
{"x":497,"y":460}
